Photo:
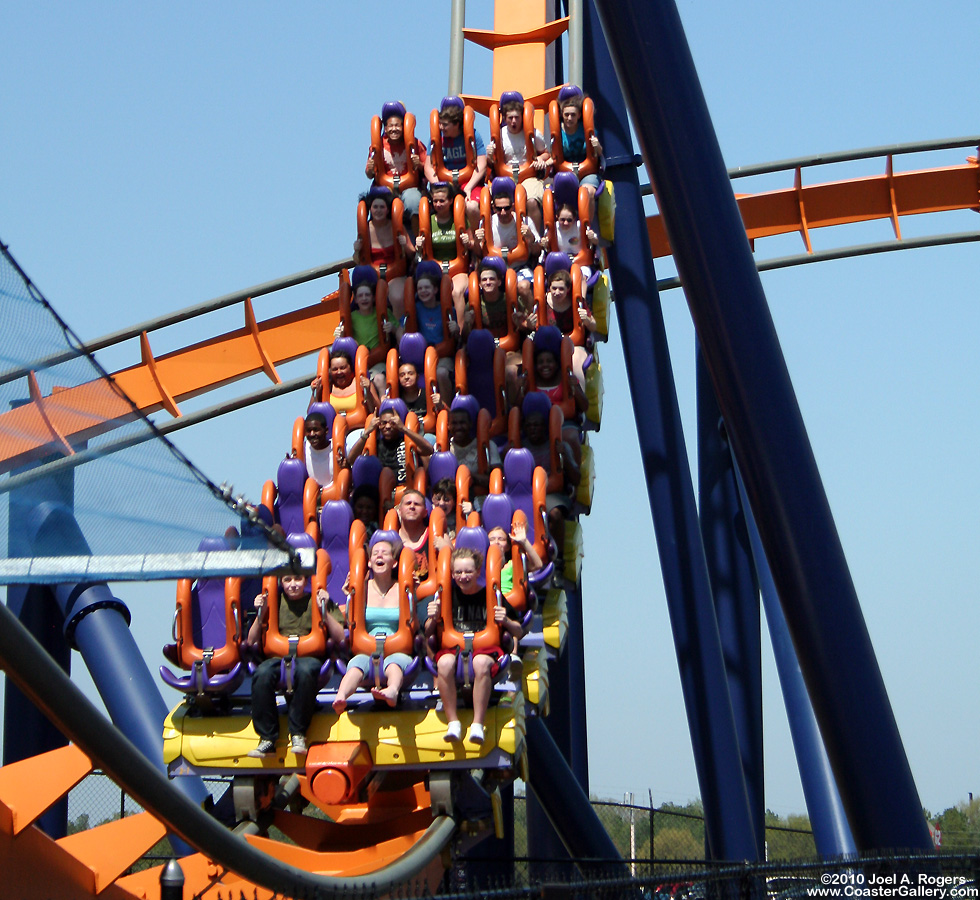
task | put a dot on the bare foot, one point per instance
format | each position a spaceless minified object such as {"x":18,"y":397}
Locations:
{"x":387,"y":696}
{"x":339,"y":705}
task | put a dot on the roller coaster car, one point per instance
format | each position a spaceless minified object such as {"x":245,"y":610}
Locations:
{"x":402,"y":640}
{"x":207,"y":632}
{"x":460,"y":264}
{"x":456,"y":177}
{"x":353,"y":418}
{"x":523,"y":171}
{"x":480,"y":373}
{"x":376,"y":354}
{"x":383,"y":177}
{"x":504,"y":187}
{"x":507,"y":338}
{"x":566,"y":191}
{"x":412,"y":349}
{"x":588,"y":166}
{"x":578,"y":335}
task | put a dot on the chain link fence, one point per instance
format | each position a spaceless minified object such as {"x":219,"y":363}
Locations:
{"x":662,"y":852}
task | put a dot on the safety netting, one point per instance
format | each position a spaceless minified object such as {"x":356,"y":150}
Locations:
{"x":89,"y":489}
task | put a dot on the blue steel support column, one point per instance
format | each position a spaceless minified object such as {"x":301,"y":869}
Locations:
{"x":827,"y":817}
{"x":97,"y":624}
{"x":770,"y":443}
{"x":34,"y":606}
{"x":543,"y":841}
{"x":575,"y":660}
{"x":728,"y":821}
{"x":735,"y":592}
{"x":566,"y":805}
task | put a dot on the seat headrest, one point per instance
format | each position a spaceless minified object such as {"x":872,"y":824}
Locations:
{"x":556,"y":262}
{"x":363,"y":275}
{"x":411,"y":349}
{"x":548,"y":337}
{"x":536,"y":402}
{"x":392,"y":108}
{"x":497,"y":512}
{"x":300,"y":540}
{"x":468,"y":404}
{"x":212,"y":544}
{"x":495,"y":263}
{"x":564,"y":188}
{"x":511,"y":97}
{"x":502,"y":185}
{"x":428,"y":268}
{"x":395,"y":405}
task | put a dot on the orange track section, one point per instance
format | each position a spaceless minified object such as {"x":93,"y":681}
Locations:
{"x":802,"y":208}
{"x":76,"y":414}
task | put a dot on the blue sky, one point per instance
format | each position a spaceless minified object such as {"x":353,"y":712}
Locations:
{"x":157,"y":155}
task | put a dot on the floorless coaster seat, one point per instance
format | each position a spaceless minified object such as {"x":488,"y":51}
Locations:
{"x":207,"y":632}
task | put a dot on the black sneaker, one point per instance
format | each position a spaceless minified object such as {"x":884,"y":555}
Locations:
{"x":265,"y":748}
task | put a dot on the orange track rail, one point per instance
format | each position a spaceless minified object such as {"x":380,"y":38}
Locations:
{"x":49,"y":424}
{"x":802,"y":208}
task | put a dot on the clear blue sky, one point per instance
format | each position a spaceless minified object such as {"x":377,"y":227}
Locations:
{"x":157,"y":155}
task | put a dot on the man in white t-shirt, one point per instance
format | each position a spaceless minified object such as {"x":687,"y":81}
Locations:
{"x":503,"y":228}
{"x":466,"y":448}
{"x":514,"y":148}
{"x":317,"y":449}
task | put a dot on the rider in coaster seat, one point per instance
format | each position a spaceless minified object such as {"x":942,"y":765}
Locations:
{"x":465,"y":621}
{"x":293,"y":630}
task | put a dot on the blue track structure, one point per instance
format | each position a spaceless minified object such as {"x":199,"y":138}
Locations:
{"x":831,"y":832}
{"x":735,"y":591}
{"x":728,"y":819}
{"x":769,"y":440}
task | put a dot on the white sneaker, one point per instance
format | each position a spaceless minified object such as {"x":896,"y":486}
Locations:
{"x":298,"y":744}
{"x":476,"y":733}
{"x":454,"y":731}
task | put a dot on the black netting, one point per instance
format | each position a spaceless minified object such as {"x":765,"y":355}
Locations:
{"x":84,"y":474}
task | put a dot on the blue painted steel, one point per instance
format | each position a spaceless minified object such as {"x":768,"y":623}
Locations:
{"x":98,"y":626}
{"x":770,"y":442}
{"x":565,"y":803}
{"x":35,"y":608}
{"x":735,"y":592}
{"x":831,"y":832}
{"x":543,"y":841}
{"x":728,"y":820}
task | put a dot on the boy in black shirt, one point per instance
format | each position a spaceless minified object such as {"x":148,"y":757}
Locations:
{"x":469,"y":614}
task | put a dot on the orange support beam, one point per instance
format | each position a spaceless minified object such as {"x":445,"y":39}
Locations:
{"x":520,"y":40}
{"x":29,"y":787}
{"x":110,"y":849}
